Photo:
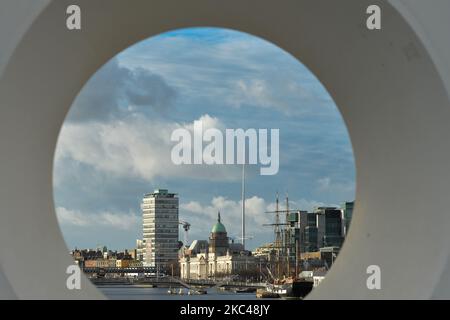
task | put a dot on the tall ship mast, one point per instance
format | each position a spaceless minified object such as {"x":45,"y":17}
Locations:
{"x":286,"y":254}
{"x":287,"y":239}
{"x":283,"y":282}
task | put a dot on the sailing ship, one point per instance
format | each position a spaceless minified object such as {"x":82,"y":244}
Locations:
{"x":290,"y":287}
{"x":286,"y":283}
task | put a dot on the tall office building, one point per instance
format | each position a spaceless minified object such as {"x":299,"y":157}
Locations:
{"x":309,"y":232}
{"x":347,"y":208}
{"x":329,"y":227}
{"x":160,"y":228}
{"x":302,"y":234}
{"x":139,"y":250}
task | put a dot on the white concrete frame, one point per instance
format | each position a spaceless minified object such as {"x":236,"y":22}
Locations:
{"x":391,"y":86}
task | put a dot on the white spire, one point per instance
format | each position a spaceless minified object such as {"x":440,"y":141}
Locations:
{"x":243,"y":205}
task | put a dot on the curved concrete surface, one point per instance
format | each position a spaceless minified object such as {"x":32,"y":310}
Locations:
{"x":392,"y":87}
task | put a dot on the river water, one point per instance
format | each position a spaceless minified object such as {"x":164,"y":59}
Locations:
{"x":129,"y":292}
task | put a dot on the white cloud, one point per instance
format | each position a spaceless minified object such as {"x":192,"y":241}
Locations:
{"x":202,"y":217}
{"x":342,"y":190}
{"x":238,"y":70}
{"x":119,"y":128}
{"x":277,"y":92}
{"x":121,"y":221}
{"x":134,"y":147}
{"x":69,"y":217}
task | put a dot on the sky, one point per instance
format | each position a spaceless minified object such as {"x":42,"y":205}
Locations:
{"x":114,"y":145}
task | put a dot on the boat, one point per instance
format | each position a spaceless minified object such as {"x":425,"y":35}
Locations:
{"x":170,"y":291}
{"x":245,"y":290}
{"x":299,"y":288}
{"x":263,"y":293}
{"x":201,"y":291}
{"x":290,"y":298}
{"x":197,"y":292}
{"x":279,"y":289}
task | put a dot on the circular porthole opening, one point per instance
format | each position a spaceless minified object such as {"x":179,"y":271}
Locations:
{"x":204,"y":160}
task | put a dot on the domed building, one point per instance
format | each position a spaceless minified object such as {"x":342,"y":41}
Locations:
{"x":218,"y":239}
{"x":216,"y":257}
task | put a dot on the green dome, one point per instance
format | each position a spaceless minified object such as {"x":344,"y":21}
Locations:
{"x":218,"y":227}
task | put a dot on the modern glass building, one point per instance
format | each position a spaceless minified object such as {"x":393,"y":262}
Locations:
{"x":347,"y":208}
{"x":329,"y":225}
{"x":309,"y":232}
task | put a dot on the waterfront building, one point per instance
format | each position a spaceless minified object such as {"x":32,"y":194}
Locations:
{"x":329,"y":227}
{"x":310,"y":237}
{"x":310,"y":255}
{"x":82,"y":255}
{"x":140,"y":250}
{"x":308,"y":232}
{"x":216,"y":257}
{"x":133,"y":253}
{"x":312,"y":261}
{"x":318,"y":276}
{"x":105,"y":263}
{"x":122,"y":263}
{"x":90,"y":263}
{"x":218,"y":239}
{"x":134,"y":264}
{"x":293,"y":237}
{"x":160,"y":229}
{"x":347,"y":210}
{"x":266,"y":252}
{"x":100,"y":258}
{"x":328,"y":255}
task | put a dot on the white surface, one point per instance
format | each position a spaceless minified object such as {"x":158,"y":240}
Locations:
{"x":392,"y":92}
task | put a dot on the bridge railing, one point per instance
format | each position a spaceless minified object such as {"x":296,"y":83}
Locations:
{"x":119,"y":270}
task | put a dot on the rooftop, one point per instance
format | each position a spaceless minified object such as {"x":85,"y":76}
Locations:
{"x":160,"y":193}
{"x":218,"y":227}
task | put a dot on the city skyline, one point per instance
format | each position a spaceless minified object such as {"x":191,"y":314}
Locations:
{"x":113,"y":146}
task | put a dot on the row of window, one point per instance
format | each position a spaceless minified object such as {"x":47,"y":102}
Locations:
{"x":172,"y":225}
{"x":161,"y":214}
{"x":164,"y":246}
{"x":160,"y":202}
{"x":161,"y":240}
{"x":161,"y":230}
{"x":165,"y":218}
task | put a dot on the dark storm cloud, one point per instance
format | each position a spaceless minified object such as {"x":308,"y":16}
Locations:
{"x":114,"y":91}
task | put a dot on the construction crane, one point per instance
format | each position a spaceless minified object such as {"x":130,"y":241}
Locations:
{"x":186,"y":227}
